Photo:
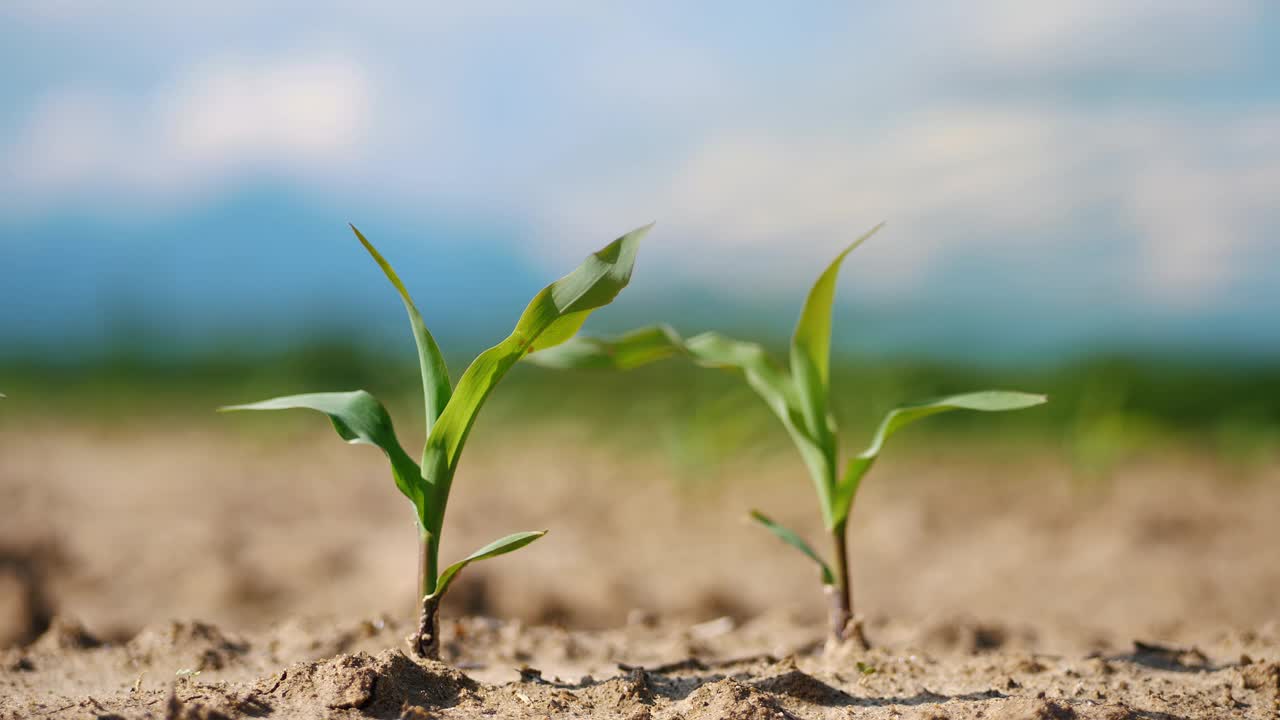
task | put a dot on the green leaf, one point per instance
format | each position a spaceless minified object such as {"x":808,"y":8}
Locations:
{"x":985,"y":401}
{"x":358,"y":417}
{"x":789,"y":537}
{"x":771,"y":382}
{"x":493,"y":549}
{"x":436,"y":387}
{"x":551,"y":318}
{"x":775,"y":386}
{"x":625,"y":352}
{"x":658,"y":342}
{"x":811,"y":348}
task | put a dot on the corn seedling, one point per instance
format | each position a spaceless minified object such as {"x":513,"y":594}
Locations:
{"x":800,"y":397}
{"x":553,"y":316}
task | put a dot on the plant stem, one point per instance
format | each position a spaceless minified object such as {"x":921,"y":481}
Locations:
{"x":425,"y":641}
{"x":428,"y":551}
{"x":845,"y":626}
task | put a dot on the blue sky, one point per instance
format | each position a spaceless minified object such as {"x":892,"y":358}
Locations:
{"x":1058,"y":178}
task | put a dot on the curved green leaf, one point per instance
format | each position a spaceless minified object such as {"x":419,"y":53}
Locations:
{"x":767,"y":378}
{"x":436,"y":388}
{"x":358,"y":417}
{"x":811,"y":347}
{"x":771,"y":382}
{"x":493,"y":549}
{"x":789,"y":537}
{"x":984,"y":401}
{"x":625,"y":352}
{"x":551,"y":318}
{"x":774,"y":385}
{"x":658,"y":342}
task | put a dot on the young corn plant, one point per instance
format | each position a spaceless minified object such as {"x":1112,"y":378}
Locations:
{"x":553,"y":316}
{"x":800,"y":397}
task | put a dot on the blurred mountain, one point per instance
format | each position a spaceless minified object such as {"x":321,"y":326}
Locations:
{"x":263,"y":270}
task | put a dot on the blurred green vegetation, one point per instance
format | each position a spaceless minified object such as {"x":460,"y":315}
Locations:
{"x":1101,"y":410}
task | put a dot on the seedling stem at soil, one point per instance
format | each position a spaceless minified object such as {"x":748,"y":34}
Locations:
{"x":800,"y":397}
{"x":553,"y":316}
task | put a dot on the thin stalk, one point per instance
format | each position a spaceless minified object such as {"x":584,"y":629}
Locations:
{"x":845,"y":625}
{"x":425,"y":641}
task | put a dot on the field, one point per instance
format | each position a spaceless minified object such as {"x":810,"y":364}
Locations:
{"x":1112,"y":557}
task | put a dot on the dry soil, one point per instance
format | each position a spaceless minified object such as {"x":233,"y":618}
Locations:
{"x":183,"y":571}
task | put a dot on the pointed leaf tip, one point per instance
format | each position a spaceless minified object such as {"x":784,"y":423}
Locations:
{"x":982,"y":401}
{"x":357,"y":417}
{"x":900,"y":417}
{"x":436,"y":385}
{"x":553,"y":316}
{"x":793,"y":539}
{"x":811,"y":345}
{"x":501,"y":546}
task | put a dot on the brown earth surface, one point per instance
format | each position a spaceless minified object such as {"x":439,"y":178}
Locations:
{"x":995,"y":584}
{"x":769,"y":667}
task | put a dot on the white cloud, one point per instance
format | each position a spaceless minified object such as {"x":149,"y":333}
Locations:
{"x":1196,"y":196}
{"x":1030,"y":39}
{"x":791,"y":200}
{"x":288,"y":115}
{"x":295,"y":111}
{"x":628,"y":122}
{"x":68,"y":139}
{"x":1203,"y":207}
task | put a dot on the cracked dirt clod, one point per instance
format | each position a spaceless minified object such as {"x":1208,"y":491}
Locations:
{"x":378,"y":684}
{"x":195,"y":645}
{"x":176,"y":709}
{"x":1172,"y":657}
{"x":1035,"y":710}
{"x":802,"y":686}
{"x":729,"y":699}
{"x":65,"y":634}
{"x":1261,"y":676}
{"x":629,"y":694}
{"x":351,"y":685}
